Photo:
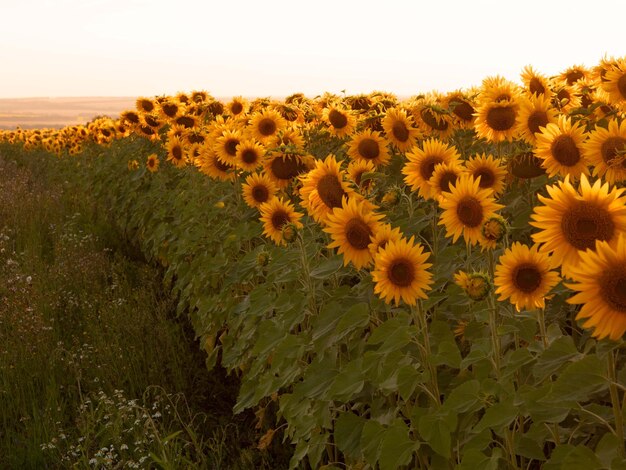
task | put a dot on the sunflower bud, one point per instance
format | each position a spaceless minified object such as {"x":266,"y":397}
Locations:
{"x":290,"y":233}
{"x":262,"y":258}
{"x":219,"y":205}
{"x":133,"y":165}
{"x":475,"y":285}
{"x":391,"y":197}
{"x":495,"y":228}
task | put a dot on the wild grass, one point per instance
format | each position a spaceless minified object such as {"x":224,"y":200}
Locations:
{"x":95,"y":369}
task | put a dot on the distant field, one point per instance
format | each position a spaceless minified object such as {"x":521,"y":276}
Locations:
{"x":31,"y":113}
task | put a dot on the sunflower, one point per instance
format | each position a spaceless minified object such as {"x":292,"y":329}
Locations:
{"x":535,"y":113}
{"x":249,"y":154}
{"x":323,"y":188}
{"x":399,"y":129}
{"x":176,"y":152}
{"x":600,"y":282}
{"x":489,"y":170}
{"x":606,"y":151}
{"x":351,"y":228}
{"x":226,"y":146}
{"x":431,"y":117}
{"x":571,"y":220}
{"x":238,"y":106}
{"x":264,"y":125}
{"x":188,"y":121}
{"x":462,"y":107}
{"x":384,"y":235}
{"x":152,"y":163}
{"x":565,"y":98}
{"x":614,"y":84}
{"x":152,"y":120}
{"x":560,"y":148}
{"x":356,"y":170}
{"x":444,"y":176}
{"x":525,"y":165}
{"x":498,"y":89}
{"x":535,"y":83}
{"x":282,"y":168}
{"x":169,"y":109}
{"x":145,"y":105}
{"x":524,"y":276}
{"x":422,"y":161}
{"x":497,"y":120}
{"x":130,"y":117}
{"x":465,"y":208}
{"x":258,"y":189}
{"x":275,"y":215}
{"x":369,"y":145}
{"x":340,"y":121}
{"x":289,"y":137}
{"x":475,"y":285}
{"x":573,"y":74}
{"x":209,"y":164}
{"x":401,"y":272}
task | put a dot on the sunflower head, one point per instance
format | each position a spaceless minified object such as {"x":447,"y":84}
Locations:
{"x":475,"y":285}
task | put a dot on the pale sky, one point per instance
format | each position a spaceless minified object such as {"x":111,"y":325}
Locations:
{"x":278,"y":47}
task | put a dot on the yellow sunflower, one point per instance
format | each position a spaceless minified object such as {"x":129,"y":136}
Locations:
{"x":356,"y":170}
{"x":384,"y":235}
{"x":560,"y":146}
{"x":565,"y":98}
{"x":282,"y":168}
{"x":524,"y":276}
{"x":573,"y":74}
{"x":497,"y":120}
{"x":399,"y":129}
{"x":264,"y":125}
{"x":145,"y":105}
{"x":238,"y":106}
{"x":369,"y":145}
{"x":351,"y":228}
{"x":401,"y":272}
{"x":431,"y":117}
{"x":524,"y":165}
{"x":176,"y":152}
{"x":498,"y":89}
{"x":422,"y":161}
{"x":605,"y":149}
{"x":225,"y":146}
{"x":323,"y":188}
{"x":444,"y":176}
{"x":209,"y":164}
{"x":535,"y":83}
{"x":290,"y":136}
{"x":462,"y":107}
{"x":340,"y":121}
{"x":249,"y":155}
{"x":489,"y":171}
{"x":465,"y":208}
{"x":275,"y":214}
{"x":535,"y":113}
{"x":169,"y":109}
{"x":475,"y":285}
{"x":614,"y":84}
{"x":600,"y":282}
{"x":187,"y":121}
{"x":258,"y":189}
{"x":571,"y":221}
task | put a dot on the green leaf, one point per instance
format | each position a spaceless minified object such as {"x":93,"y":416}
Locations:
{"x":408,"y":380}
{"x":396,"y":448}
{"x":327,"y":268}
{"x":371,"y":441}
{"x":560,"y":351}
{"x":474,"y":460}
{"x":356,"y":317}
{"x":464,"y":397}
{"x":579,"y":380}
{"x":607,"y":450}
{"x":498,"y":417}
{"x":348,"y":430}
{"x":349,"y":381}
{"x":582,"y":458}
{"x":393,"y":334}
{"x":436,"y":431}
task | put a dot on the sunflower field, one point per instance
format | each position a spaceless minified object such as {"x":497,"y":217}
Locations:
{"x":432,"y":282}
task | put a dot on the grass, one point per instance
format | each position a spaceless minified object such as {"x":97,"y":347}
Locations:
{"x":95,"y":368}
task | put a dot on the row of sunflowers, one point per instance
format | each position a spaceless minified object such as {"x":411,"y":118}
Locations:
{"x":455,"y":242}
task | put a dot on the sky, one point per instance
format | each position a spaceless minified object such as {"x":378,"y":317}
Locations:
{"x":54,"y":48}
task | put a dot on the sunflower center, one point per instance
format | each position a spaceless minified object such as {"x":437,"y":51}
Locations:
{"x":427,"y":167}
{"x":565,"y":151}
{"x":429,"y":118}
{"x":470,"y":211}
{"x":216,"y":108}
{"x":337,"y":119}
{"x":177,"y":152}
{"x":584,"y":223}
{"x":527,"y":277}
{"x":220,"y":165}
{"x":147,"y":130}
{"x":501,"y":118}
{"x":611,"y":150}
{"x":195,"y":138}
{"x":266,"y":127}
{"x":563,"y":95}
{"x":151,"y":121}
{"x":535,"y":86}
{"x":487,"y":177}
{"x":621,"y":85}
{"x":249,"y":156}
{"x":526,"y":166}
{"x":286,"y":168}
{"x":401,"y":272}
{"x":358,"y":234}
{"x":463,"y":110}
{"x":186,"y":121}
{"x":279,"y":218}
{"x":536,"y":120}
{"x":573,"y":76}
{"x":132,"y":117}
{"x":170,"y":109}
{"x":613,"y":287}
{"x":400,"y":132}
{"x":368,"y":149}
{"x":330,"y":191}
{"x":147,"y":105}
{"x":236,"y":107}
{"x":231,"y":147}
{"x":447,"y":179}
{"x":260,"y":193}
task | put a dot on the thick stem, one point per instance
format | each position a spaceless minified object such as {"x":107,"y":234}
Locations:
{"x":422,"y":325}
{"x":542,"y":327}
{"x":493,"y":321}
{"x":617,"y":408}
